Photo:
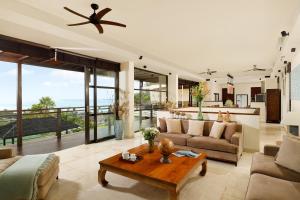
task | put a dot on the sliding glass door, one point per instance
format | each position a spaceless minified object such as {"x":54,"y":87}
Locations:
{"x":103,"y":92}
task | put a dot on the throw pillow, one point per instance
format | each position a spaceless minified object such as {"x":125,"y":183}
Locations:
{"x":217,"y":130}
{"x":162,"y":125}
{"x":195,"y":128}
{"x":229,"y":131}
{"x":288,"y":154}
{"x":173,"y":125}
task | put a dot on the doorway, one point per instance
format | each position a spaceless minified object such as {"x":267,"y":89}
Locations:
{"x":101,"y":94}
{"x":242,"y":100}
{"x":226,"y":96}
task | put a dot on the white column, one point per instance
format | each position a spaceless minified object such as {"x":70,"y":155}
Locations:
{"x":173,"y":88}
{"x":126,"y":81}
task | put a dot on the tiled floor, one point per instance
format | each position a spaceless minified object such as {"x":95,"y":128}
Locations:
{"x":79,"y":166}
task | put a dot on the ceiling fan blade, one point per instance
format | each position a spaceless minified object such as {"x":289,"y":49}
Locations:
{"x":257,"y":69}
{"x":202,"y":73}
{"x":99,"y":27}
{"x":103,"y":12}
{"x":76,"y":13}
{"x":111,"y":23}
{"x":213,"y":72}
{"x":77,"y":24}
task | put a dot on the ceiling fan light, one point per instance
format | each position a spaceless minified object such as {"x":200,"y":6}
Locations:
{"x":284,"y":33}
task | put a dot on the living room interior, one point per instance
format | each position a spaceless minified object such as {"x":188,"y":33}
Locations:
{"x":155,"y":100}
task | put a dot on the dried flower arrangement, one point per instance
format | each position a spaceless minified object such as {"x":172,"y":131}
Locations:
{"x":121,"y":107}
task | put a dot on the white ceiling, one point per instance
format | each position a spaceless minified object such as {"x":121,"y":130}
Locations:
{"x":172,"y":35}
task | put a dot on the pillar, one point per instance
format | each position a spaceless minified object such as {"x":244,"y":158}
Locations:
{"x":173,"y":88}
{"x":126,"y":81}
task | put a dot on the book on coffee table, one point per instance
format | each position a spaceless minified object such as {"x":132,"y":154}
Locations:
{"x":186,"y":153}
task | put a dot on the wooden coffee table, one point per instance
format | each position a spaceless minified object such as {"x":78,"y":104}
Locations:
{"x":149,"y":170}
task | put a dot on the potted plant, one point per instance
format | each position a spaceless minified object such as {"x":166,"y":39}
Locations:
{"x":149,"y":134}
{"x":199,"y":92}
{"x":120,"y":110}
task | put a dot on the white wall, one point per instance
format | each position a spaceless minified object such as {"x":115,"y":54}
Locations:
{"x":214,"y":87}
{"x":271,"y":83}
{"x":296,"y":103}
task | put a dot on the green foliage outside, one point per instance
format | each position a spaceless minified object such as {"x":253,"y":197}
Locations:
{"x":44,"y":103}
{"x":144,"y":98}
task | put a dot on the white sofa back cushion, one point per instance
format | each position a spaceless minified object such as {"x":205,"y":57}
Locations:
{"x":173,"y":125}
{"x":289,"y":154}
{"x":195,"y":128}
{"x":217,"y":130}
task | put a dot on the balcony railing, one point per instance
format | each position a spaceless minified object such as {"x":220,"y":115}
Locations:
{"x":43,"y":121}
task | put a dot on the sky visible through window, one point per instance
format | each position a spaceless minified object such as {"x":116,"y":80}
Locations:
{"x":66,"y":88}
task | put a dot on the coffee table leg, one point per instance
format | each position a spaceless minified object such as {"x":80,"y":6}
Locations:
{"x":101,"y":177}
{"x":173,"y":195}
{"x":204,"y":168}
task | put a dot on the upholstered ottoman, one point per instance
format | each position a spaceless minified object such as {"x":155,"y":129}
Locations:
{"x":46,"y":177}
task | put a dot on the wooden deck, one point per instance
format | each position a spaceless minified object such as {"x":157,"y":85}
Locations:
{"x":52,"y":144}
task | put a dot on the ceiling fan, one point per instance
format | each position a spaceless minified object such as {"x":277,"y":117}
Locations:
{"x":255,"y":69}
{"x":95,"y":18}
{"x":208,"y":72}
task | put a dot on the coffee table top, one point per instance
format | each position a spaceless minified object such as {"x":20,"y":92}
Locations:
{"x":151,"y":167}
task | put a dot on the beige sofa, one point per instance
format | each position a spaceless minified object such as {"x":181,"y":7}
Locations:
{"x":46,"y":178}
{"x":218,"y":149}
{"x":270,"y":181}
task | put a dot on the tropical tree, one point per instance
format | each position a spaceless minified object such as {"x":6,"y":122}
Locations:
{"x":44,"y":103}
{"x":41,"y":108}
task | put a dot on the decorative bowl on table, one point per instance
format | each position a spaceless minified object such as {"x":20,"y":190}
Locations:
{"x":165,"y":147}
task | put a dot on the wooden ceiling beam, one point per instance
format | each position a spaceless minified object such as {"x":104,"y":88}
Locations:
{"x":23,"y":58}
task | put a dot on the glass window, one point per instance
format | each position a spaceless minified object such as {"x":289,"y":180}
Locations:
{"x":106,"y":97}
{"x":150,"y":91}
{"x":106,"y":78}
{"x":136,"y":84}
{"x":8,"y":88}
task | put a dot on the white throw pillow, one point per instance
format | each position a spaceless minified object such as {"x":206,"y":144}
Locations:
{"x":195,"y":128}
{"x":289,"y":154}
{"x":173,"y":125}
{"x":217,"y":130}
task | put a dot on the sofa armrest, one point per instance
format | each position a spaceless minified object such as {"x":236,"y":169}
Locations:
{"x":271,"y":150}
{"x":237,"y":139}
{"x":6,"y":153}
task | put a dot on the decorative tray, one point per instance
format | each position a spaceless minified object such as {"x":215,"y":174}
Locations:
{"x":138,"y":158}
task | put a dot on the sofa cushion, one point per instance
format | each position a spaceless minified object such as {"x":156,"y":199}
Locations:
{"x":262,"y":187}
{"x":177,"y":139}
{"x":288,"y":154}
{"x":230,"y":129}
{"x":184,"y":125}
{"x":196,"y":128}
{"x":264,"y":164}
{"x":162,"y":125}
{"x":211,"y":144}
{"x":217,"y":130}
{"x":173,"y":125}
{"x":5,"y":163}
